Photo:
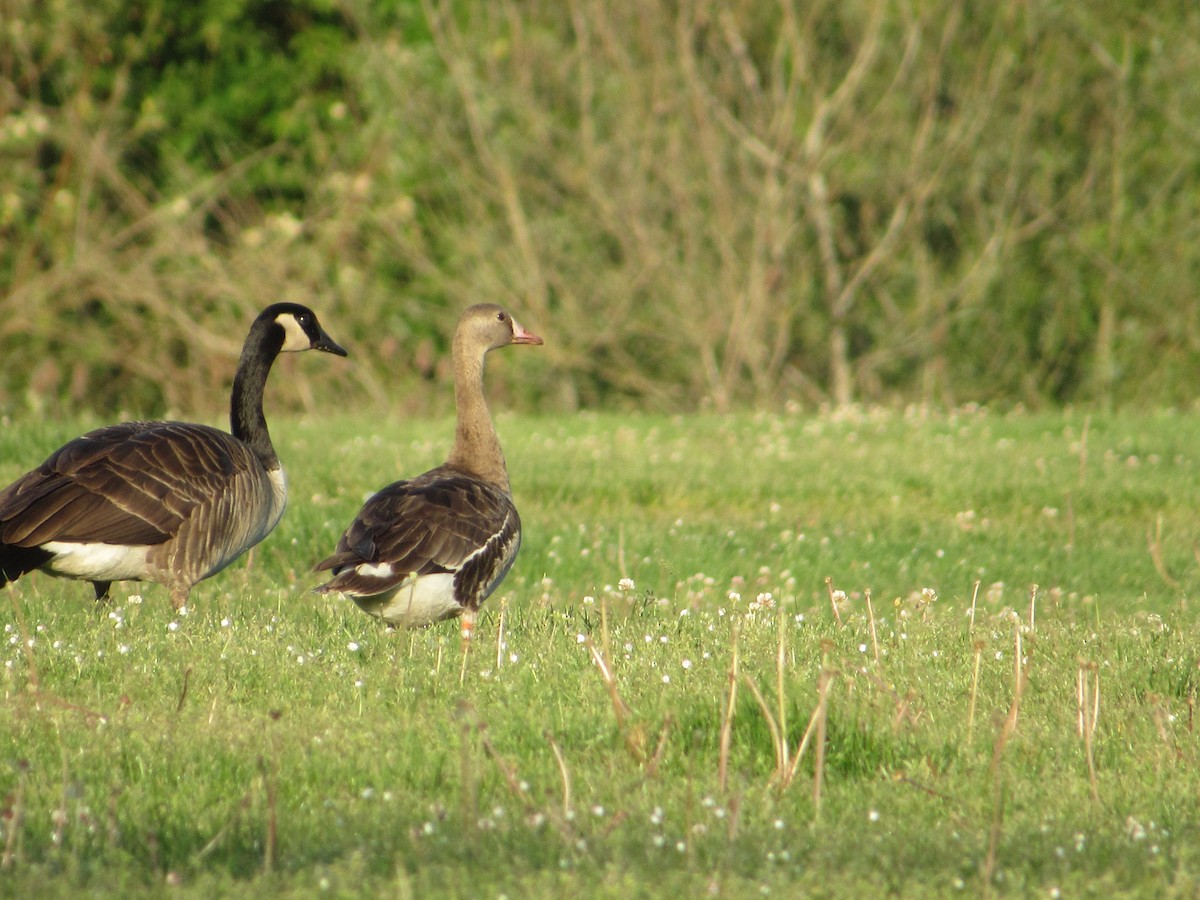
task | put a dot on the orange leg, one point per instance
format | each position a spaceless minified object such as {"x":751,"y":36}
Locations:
{"x":468,"y":632}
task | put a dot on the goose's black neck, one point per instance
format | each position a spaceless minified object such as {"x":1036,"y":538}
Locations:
{"x":246,"y":419}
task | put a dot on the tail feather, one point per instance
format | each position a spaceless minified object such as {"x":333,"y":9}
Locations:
{"x":16,"y":561}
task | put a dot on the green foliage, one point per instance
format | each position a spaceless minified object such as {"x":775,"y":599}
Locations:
{"x":700,"y":206}
{"x":272,"y":742}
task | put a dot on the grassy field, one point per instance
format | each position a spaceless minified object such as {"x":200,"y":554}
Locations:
{"x":680,"y":689}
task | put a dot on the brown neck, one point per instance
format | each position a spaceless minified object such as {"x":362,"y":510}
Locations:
{"x":476,"y":446}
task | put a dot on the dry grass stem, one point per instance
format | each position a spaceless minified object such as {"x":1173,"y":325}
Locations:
{"x":826,"y":678}
{"x":620,"y":709}
{"x":500,"y":635}
{"x":467,"y":641}
{"x":974,"y":602}
{"x":1154,"y":542}
{"x":1033,"y":608}
{"x":974,"y":690}
{"x":517,"y":787}
{"x":730,"y":707}
{"x":605,"y":642}
{"x":230,"y":824}
{"x":659,"y":749}
{"x":1088,"y":708}
{"x":833,"y":601}
{"x":777,"y":739}
{"x":633,"y":735}
{"x":563,"y":773}
{"x":781,"y":689}
{"x":805,"y":739}
{"x":183,"y":690}
{"x":871,"y":618}
{"x":1007,"y":727}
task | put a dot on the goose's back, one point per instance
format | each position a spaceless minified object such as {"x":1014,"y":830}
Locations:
{"x":195,"y":495}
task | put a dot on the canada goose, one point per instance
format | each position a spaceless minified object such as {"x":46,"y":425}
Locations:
{"x":436,"y":546}
{"x":170,"y":502}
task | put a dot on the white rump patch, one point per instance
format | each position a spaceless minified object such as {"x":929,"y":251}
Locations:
{"x":97,"y":562}
{"x":295,"y":338}
{"x":416,"y":602}
{"x":370,"y":570}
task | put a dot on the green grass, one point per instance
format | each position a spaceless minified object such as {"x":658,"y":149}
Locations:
{"x":143,"y":748}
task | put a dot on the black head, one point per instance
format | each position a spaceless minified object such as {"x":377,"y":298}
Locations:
{"x":301,"y":330}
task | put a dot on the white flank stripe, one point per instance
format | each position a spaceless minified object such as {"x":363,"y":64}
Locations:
{"x":97,"y":562}
{"x":488,"y":544}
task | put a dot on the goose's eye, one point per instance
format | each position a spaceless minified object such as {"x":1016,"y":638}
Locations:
{"x":500,"y":317}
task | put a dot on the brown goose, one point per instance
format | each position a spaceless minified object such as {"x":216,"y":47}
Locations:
{"x":435,"y":546}
{"x":170,"y":502}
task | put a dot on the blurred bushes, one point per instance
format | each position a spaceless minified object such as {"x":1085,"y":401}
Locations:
{"x":704,"y":203}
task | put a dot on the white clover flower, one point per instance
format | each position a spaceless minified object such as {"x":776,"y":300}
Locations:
{"x":626,"y":584}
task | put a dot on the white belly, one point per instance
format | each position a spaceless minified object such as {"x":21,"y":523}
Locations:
{"x":415,"y":603}
{"x":97,"y":562}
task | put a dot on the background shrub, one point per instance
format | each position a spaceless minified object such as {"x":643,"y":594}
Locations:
{"x":696,"y":204}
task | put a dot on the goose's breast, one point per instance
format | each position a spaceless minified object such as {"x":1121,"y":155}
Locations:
{"x":230,"y":522}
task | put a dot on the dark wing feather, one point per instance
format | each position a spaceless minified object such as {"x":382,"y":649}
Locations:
{"x":133,"y":483}
{"x":434,"y":523}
